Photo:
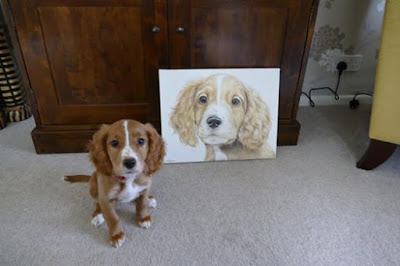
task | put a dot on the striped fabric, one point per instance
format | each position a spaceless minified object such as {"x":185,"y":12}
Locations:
{"x":2,"y":119}
{"x":12,"y":94}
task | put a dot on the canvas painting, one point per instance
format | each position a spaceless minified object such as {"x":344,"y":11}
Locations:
{"x":219,"y":114}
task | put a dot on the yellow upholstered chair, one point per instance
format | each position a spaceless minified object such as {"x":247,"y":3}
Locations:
{"x":384,"y":130}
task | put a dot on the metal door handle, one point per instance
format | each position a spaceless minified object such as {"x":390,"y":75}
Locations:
{"x":155,"y":29}
{"x":180,"y":30}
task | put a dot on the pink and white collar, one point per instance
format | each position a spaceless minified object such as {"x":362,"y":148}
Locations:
{"x":121,"y":178}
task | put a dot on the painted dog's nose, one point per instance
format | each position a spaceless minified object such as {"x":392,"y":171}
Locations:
{"x":214,"y":121}
{"x":129,"y":163}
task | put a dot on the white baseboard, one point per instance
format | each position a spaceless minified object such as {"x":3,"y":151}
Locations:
{"x":323,"y":100}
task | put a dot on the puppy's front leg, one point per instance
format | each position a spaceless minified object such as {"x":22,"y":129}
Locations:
{"x":116,"y":234}
{"x":142,"y":211}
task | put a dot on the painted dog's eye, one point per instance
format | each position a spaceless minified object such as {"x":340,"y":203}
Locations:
{"x":235,"y":101}
{"x":114,"y":143}
{"x":203,"y":99}
{"x":140,"y":142}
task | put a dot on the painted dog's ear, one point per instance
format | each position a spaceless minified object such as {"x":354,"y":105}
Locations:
{"x":98,"y":151}
{"x":182,"y":119}
{"x":257,"y":122}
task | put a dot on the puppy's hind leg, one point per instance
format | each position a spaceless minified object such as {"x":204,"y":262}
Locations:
{"x":97,"y":216}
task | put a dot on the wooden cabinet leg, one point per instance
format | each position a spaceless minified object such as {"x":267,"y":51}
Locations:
{"x":377,"y":153}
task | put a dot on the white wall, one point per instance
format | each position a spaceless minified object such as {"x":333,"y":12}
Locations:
{"x":354,"y":27}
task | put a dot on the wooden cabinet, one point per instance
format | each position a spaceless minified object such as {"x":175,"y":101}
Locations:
{"x":96,"y":61}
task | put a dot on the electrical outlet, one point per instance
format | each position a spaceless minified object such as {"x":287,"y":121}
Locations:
{"x":353,"y":61}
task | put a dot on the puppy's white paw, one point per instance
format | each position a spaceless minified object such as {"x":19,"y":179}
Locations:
{"x":98,"y":220}
{"x":152,"y":203}
{"x":117,"y":240}
{"x":145,"y":222}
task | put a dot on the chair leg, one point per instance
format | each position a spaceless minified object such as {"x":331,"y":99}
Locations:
{"x":377,"y":153}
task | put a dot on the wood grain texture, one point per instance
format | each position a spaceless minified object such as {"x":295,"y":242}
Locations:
{"x":306,"y":52}
{"x":236,"y":34}
{"x":96,"y":61}
{"x":61,"y":141}
{"x":66,"y":138}
{"x":92,"y":62}
{"x":288,"y":134}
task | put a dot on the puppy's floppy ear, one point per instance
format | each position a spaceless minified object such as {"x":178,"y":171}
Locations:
{"x":98,"y":151}
{"x":182,"y":119}
{"x":257,"y":122}
{"x":156,"y":152}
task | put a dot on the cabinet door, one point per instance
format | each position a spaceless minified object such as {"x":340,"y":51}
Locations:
{"x":93,"y":61}
{"x":242,"y":33}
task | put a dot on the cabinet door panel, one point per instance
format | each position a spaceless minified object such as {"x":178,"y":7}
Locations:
{"x":239,"y":33}
{"x":229,"y":36}
{"x":93,"y":61}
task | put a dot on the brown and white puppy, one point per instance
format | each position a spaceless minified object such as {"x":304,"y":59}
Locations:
{"x":125,"y":155}
{"x":230,"y":119}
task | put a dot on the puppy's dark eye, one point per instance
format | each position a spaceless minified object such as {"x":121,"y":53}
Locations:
{"x":235,"y":101}
{"x":114,"y":143}
{"x":140,"y":142}
{"x":203,"y":99}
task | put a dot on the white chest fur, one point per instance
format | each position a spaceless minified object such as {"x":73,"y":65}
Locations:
{"x":130,"y":192}
{"x":219,"y":155}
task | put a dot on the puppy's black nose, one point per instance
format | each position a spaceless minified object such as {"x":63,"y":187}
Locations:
{"x":214,"y":121}
{"x":129,"y":163}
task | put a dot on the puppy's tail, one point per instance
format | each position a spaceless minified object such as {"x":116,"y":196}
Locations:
{"x":77,"y":178}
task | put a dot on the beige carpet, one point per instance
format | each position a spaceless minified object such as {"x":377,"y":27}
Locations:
{"x":310,"y":206}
